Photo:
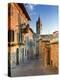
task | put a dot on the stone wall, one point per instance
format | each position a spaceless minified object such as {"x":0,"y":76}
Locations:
{"x":48,"y":51}
{"x":43,"y":51}
{"x":54,"y":54}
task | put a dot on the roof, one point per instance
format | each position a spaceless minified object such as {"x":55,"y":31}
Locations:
{"x":54,"y":40}
{"x":55,"y":32}
{"x":21,"y":5}
{"x":47,"y":37}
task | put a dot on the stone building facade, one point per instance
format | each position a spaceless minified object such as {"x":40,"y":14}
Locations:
{"x":18,"y":19}
{"x":29,"y":44}
{"x":48,"y":49}
{"x":44,"y":49}
{"x":54,"y":50}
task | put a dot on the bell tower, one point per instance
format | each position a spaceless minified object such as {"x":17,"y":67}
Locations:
{"x":38,"y":26}
{"x":38,"y":33}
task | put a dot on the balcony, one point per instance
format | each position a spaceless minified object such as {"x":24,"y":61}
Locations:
{"x":24,"y":28}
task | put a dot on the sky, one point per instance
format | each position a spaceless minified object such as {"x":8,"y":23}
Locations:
{"x":48,"y":15}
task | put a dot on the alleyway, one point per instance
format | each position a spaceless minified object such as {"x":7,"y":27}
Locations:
{"x":33,"y":68}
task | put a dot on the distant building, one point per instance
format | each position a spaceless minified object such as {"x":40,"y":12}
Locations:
{"x":29,"y":43}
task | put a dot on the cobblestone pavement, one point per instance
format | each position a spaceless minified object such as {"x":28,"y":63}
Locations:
{"x":33,"y":68}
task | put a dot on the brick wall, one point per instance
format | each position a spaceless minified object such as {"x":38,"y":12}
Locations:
{"x":15,"y":18}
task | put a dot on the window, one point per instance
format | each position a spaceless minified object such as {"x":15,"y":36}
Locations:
{"x":21,"y":36}
{"x":10,"y":36}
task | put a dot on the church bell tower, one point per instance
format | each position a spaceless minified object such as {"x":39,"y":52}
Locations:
{"x":38,"y":26}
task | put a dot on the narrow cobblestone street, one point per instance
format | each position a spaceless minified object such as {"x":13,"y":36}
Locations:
{"x":33,"y":68}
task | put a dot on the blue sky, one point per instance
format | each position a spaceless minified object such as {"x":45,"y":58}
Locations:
{"x":48,"y":15}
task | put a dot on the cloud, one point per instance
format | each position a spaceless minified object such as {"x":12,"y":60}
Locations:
{"x":30,"y":9}
{"x":29,"y":6}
